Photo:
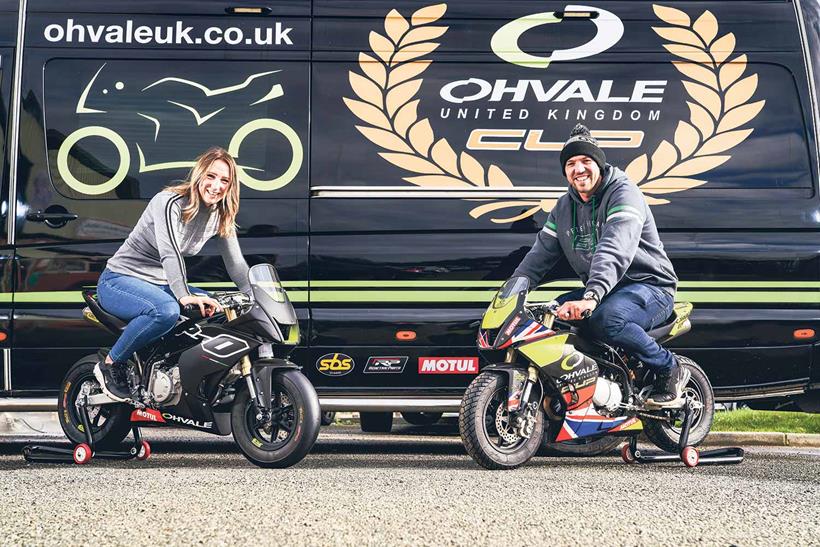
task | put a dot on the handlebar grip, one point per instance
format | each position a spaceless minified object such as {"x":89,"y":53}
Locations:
{"x":191,"y":311}
{"x":585,"y":314}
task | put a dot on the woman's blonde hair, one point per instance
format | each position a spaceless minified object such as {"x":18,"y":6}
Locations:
{"x":228,"y":207}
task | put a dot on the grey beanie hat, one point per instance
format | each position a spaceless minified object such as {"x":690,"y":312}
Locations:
{"x":581,"y":142}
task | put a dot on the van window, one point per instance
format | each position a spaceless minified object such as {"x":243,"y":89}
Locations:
{"x":124,"y":129}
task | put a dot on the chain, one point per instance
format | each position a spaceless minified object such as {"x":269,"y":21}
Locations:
{"x":652,"y":416}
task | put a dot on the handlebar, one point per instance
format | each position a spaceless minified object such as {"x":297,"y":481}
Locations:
{"x":551,"y":308}
{"x":234,"y":300}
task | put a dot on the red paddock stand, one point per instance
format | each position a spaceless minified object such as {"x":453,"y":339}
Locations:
{"x":689,"y":455}
{"x":84,"y":452}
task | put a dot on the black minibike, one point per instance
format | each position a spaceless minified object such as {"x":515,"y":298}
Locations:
{"x":228,"y":373}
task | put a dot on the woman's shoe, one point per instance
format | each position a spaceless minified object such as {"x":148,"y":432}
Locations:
{"x":112,"y":381}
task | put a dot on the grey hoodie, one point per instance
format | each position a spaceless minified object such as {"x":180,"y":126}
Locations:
{"x":155,"y":249}
{"x":624,"y":246}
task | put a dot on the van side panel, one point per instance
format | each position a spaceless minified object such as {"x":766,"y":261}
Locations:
{"x":116,"y":107}
{"x":724,"y":149}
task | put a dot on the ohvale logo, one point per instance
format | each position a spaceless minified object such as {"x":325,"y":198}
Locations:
{"x":505,"y":41}
{"x":719,"y":102}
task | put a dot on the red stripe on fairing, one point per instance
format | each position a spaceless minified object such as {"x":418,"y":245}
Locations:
{"x":566,"y":433}
{"x":584,"y":396}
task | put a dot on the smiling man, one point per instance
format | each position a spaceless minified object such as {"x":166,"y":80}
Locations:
{"x":606,"y":231}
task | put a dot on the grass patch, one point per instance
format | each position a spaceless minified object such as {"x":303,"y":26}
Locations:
{"x":747,"y":419}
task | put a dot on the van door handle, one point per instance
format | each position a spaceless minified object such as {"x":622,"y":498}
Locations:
{"x":54,"y":218}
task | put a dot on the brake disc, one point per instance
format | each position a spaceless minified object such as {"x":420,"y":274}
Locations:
{"x":268,"y":426}
{"x":503,"y":426}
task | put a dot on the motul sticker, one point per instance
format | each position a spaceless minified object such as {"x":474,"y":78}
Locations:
{"x":146,"y":415}
{"x":448,"y":365}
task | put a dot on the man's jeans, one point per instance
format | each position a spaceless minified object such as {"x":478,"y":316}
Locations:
{"x":151,"y":310}
{"x":624,"y":316}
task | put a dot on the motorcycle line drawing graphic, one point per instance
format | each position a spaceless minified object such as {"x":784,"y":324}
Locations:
{"x":245,"y":172}
{"x":228,"y":373}
{"x":556,"y":382}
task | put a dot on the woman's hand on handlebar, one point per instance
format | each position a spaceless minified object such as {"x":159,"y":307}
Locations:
{"x":207,"y":305}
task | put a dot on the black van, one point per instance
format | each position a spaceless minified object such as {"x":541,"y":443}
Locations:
{"x":397,"y":160}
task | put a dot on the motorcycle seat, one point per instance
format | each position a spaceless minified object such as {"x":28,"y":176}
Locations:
{"x":95,"y":312}
{"x":677,"y":324}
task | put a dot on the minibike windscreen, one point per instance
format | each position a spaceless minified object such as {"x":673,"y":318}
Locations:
{"x":270,"y":295}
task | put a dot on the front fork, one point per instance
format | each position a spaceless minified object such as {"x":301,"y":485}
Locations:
{"x":522,"y":411}
{"x":263,"y":412}
{"x":263,"y":378}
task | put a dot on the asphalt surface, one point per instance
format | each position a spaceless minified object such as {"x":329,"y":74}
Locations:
{"x":408,"y":488}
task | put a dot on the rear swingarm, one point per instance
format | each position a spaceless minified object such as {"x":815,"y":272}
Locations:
{"x":84,"y":452}
{"x":690,"y":455}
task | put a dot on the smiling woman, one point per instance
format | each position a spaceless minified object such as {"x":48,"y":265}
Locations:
{"x":145,"y":282}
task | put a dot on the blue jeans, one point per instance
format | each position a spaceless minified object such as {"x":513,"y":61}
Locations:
{"x":151,"y":310}
{"x":625,"y":315}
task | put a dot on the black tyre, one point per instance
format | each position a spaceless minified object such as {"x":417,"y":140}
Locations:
{"x":294,"y":426}
{"x":667,"y":434}
{"x":110,"y":424}
{"x":583,"y":447}
{"x":485,"y":430}
{"x":376,"y":422}
{"x":328,"y":417}
{"x":421,"y":418}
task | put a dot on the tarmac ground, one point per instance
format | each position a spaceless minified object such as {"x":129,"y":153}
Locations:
{"x":413,"y":486}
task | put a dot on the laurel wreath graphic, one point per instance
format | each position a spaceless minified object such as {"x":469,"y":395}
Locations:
{"x":719,"y":107}
{"x":390,"y":80}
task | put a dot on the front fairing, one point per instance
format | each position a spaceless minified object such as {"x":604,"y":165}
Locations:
{"x":506,"y":321}
{"x":269,"y":293}
{"x":272,"y":315}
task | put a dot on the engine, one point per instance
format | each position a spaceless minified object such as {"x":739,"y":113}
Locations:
{"x":164,"y":386}
{"x":607,"y":394}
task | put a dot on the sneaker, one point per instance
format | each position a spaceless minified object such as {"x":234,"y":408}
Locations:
{"x":112,"y":381}
{"x":667,"y":391}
